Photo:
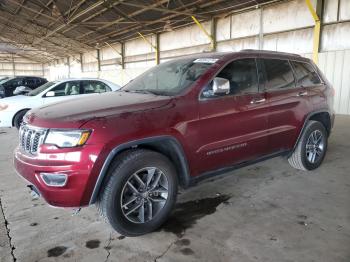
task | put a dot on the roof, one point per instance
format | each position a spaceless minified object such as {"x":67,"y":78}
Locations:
{"x":228,"y":55}
{"x":47,"y":29}
{"x":268,"y":52}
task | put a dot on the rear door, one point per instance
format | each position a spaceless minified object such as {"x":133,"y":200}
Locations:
{"x":308,"y":79}
{"x":287,"y":103}
{"x":93,"y":87}
{"x":232,"y":127}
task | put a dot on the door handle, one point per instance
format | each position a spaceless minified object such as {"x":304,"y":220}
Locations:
{"x":258,"y":101}
{"x":302,"y":93}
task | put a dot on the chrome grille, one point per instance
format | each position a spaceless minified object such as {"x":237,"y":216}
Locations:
{"x":30,"y":138}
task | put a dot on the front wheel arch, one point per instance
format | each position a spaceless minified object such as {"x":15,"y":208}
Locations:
{"x":166,"y":145}
{"x":19,"y":112}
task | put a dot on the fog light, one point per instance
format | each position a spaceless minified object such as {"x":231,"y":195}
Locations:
{"x":54,"y":179}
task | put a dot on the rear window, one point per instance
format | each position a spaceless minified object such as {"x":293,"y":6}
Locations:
{"x":278,"y":74}
{"x":305,"y":74}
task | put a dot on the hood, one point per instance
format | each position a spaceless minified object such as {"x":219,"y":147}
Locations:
{"x":12,"y":99}
{"x":75,"y":112}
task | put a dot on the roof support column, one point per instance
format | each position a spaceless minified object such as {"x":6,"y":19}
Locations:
{"x":213,"y":24}
{"x":13,"y":66}
{"x":317,"y":16}
{"x":98,"y":60}
{"x":210,"y":36}
{"x":68,"y":64}
{"x":155,"y":47}
{"x":81,"y":63}
{"x":261,"y":30}
{"x":123,"y":55}
{"x":157,"y":50}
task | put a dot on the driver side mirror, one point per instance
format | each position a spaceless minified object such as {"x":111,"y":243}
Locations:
{"x":21,"y":90}
{"x":221,"y":86}
{"x":50,"y":94}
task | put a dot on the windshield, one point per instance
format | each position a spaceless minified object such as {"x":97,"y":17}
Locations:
{"x":41,"y":88}
{"x":170,"y":78}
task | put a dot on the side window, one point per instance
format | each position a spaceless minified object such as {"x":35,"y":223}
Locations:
{"x":305,"y":74}
{"x":66,"y":89}
{"x":29,"y":82}
{"x":279,"y":74}
{"x":14,"y":83}
{"x":242,"y":75}
{"x":90,"y":87}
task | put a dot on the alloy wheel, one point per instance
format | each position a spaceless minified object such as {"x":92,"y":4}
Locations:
{"x":144,"y":195}
{"x":315,"y":146}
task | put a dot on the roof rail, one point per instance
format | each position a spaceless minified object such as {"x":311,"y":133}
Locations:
{"x":269,"y":52}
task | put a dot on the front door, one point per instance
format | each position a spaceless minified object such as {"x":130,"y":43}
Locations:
{"x":64,"y":91}
{"x":232,"y":127}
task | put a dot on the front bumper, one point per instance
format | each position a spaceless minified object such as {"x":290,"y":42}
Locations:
{"x":78,"y":164}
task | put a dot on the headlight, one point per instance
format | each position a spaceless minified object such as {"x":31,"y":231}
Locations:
{"x":3,"y":107}
{"x":67,"y":138}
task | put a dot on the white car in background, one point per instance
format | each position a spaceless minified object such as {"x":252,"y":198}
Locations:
{"x":12,"y":109}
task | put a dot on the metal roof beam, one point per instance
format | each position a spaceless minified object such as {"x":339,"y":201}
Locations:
{"x":18,"y":28}
{"x":20,"y":32}
{"x":92,"y":16}
{"x":161,"y":9}
{"x":189,"y":7}
{"x":121,"y":19}
{"x":83,"y":12}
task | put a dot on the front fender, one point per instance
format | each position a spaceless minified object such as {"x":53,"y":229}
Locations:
{"x":178,"y":156}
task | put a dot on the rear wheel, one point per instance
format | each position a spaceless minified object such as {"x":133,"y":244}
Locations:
{"x":18,"y":119}
{"x":140,"y":192}
{"x":311,"y":148}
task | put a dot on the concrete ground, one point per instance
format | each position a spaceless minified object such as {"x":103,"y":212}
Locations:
{"x":265,"y":212}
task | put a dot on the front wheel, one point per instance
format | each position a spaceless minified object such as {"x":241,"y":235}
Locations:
{"x":311,"y":148}
{"x":140,"y":192}
{"x":18,"y":119}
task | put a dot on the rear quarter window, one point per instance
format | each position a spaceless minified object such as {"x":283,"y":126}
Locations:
{"x":305,"y":74}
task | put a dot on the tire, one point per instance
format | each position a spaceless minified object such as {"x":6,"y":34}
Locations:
{"x":309,"y":155}
{"x":117,"y":192}
{"x":17,"y":120}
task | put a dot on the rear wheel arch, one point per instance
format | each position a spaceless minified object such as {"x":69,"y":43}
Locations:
{"x":166,"y":145}
{"x":322,"y":116}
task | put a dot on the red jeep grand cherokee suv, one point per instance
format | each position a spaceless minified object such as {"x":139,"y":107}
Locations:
{"x":181,"y":121}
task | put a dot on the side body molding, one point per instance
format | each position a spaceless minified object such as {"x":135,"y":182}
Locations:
{"x":173,"y":146}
